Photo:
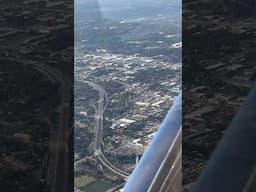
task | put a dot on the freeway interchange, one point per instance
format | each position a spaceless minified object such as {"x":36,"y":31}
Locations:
{"x":98,"y":131}
{"x":59,"y":163}
{"x":57,"y":159}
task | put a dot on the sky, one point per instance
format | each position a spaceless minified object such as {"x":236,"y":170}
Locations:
{"x":120,"y":9}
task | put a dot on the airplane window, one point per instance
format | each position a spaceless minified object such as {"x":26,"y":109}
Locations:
{"x":127,"y":76}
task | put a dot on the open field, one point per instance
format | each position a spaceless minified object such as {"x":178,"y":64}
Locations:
{"x":84,"y":180}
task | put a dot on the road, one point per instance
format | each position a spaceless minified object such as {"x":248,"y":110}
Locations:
{"x":59,"y":142}
{"x":58,"y":166}
{"x":98,"y":130}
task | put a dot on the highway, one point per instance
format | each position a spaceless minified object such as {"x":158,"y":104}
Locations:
{"x":59,"y":161}
{"x":98,"y":127}
{"x":98,"y":130}
{"x":58,"y":166}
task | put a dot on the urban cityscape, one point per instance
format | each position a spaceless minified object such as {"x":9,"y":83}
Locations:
{"x":127,"y":75}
